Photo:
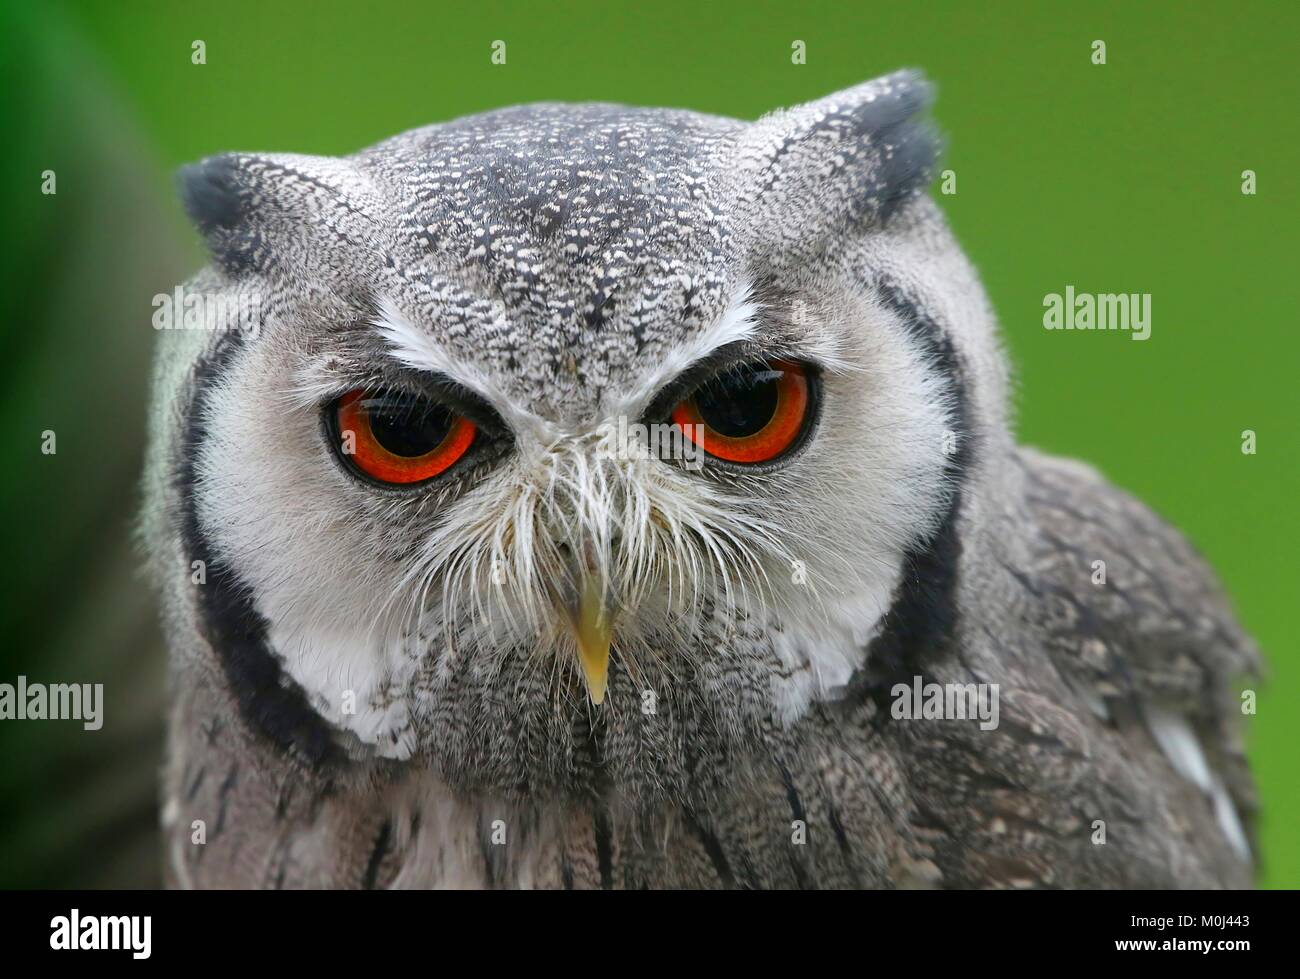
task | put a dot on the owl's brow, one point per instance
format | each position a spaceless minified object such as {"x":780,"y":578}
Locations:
{"x":732,"y":336}
{"x":418,"y":350}
{"x":735,"y":327}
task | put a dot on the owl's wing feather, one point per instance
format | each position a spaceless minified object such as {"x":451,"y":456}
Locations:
{"x":1150,"y":632}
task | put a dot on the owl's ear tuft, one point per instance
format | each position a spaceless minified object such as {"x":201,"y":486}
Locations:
{"x":907,"y":141}
{"x":259,"y":211}
{"x":210,"y":192}
{"x":222,"y":196}
{"x":855,"y":156}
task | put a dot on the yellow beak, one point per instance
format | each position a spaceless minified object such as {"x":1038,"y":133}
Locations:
{"x":593,"y":629}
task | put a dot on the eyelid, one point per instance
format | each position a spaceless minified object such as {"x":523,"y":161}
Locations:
{"x":438,"y":390}
{"x":473,"y":407}
{"x":704,"y":372}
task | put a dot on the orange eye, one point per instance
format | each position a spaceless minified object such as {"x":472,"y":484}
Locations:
{"x":399,"y":438}
{"x":749,"y":414}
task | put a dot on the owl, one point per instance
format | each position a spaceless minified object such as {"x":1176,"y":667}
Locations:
{"x":584,"y":496}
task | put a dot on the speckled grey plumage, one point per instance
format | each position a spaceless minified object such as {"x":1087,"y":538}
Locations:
{"x":560,"y":255}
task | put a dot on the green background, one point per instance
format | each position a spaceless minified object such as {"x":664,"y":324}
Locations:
{"x":1124,"y":177}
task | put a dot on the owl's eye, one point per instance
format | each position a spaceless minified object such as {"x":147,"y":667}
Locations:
{"x":399,"y":438}
{"x":750,"y":414}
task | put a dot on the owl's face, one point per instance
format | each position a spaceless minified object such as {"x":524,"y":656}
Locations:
{"x":573,"y":442}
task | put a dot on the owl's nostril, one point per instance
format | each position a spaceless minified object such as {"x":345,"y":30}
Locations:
{"x":587,"y":561}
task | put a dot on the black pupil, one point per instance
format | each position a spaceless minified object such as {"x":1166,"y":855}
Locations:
{"x":741,"y":402}
{"x":407,"y":426}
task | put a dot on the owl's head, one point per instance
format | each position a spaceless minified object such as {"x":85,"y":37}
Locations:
{"x":569,"y":442}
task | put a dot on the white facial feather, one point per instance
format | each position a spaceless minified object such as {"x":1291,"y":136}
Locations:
{"x":488,"y":567}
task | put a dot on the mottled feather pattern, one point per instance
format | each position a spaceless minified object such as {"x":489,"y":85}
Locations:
{"x":567,"y":265}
